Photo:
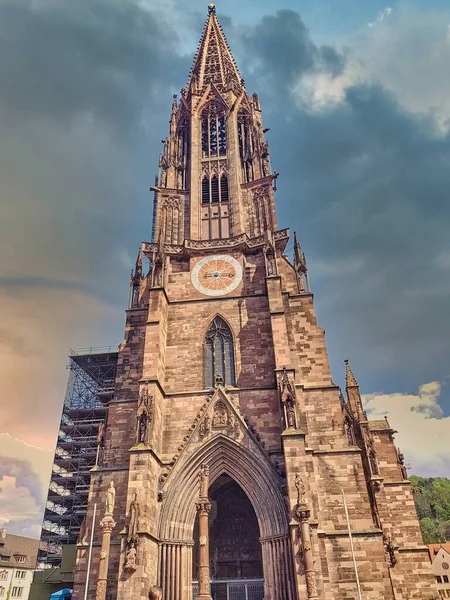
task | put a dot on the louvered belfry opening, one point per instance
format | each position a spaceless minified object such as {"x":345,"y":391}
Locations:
{"x":245,"y":145}
{"x":214,"y":184}
{"x":219,"y":354}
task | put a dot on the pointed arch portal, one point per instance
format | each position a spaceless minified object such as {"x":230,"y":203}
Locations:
{"x":249,"y":475}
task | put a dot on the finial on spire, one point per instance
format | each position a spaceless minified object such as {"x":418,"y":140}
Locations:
{"x":213,"y":61}
{"x":350,"y":380}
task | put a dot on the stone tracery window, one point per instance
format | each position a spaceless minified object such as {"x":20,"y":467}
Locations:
{"x":245,"y":145}
{"x":214,"y":136}
{"x":183,"y":142}
{"x":214,"y":183}
{"x":219,"y":354}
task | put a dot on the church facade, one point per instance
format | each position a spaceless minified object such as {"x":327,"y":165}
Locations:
{"x":232,"y":466}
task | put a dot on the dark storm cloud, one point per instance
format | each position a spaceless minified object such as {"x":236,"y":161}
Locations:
{"x":84,"y":100}
{"x":59,"y":58}
{"x":366,"y":183}
{"x":280,"y":48}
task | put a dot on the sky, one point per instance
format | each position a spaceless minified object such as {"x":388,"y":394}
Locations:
{"x":357,"y":98}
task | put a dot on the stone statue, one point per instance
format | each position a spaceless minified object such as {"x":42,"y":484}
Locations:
{"x":301,"y":490}
{"x":155,"y":593}
{"x":134,"y":517}
{"x":373,"y":463}
{"x":389,"y":550}
{"x":144,"y":417}
{"x":110,"y":499}
{"x":130,"y":559}
{"x":204,"y":480}
{"x":220,"y":415}
{"x":290,"y":413}
{"x":205,"y":427}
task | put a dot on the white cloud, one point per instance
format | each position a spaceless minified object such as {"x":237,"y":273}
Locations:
{"x":19,"y":511}
{"x":423,"y":434}
{"x":40,"y":459}
{"x":381,"y":16}
{"x":407,"y":53}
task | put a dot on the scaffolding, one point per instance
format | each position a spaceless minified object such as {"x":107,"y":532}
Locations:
{"x":92,"y":374}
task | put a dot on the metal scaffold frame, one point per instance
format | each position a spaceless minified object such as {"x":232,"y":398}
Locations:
{"x":90,"y":387}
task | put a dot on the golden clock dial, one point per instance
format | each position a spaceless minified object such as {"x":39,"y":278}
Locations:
{"x":216,"y":275}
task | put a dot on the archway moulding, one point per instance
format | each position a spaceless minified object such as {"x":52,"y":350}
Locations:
{"x":244,"y":461}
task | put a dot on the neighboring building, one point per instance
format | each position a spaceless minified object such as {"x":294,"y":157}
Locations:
{"x":227,"y":446}
{"x":440,"y":565}
{"x":18,"y":556}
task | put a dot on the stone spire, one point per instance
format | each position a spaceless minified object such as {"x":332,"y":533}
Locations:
{"x":350,"y":380}
{"x":353,"y":393}
{"x":213,"y":61}
{"x":300,"y":266}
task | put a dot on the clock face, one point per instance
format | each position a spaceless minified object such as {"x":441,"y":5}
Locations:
{"x":216,"y":275}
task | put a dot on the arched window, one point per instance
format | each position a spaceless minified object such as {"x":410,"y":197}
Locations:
{"x":214,"y":137}
{"x":219,"y":354}
{"x":245,"y":145}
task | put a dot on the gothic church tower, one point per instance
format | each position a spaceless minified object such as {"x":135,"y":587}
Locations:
{"x":227,"y":442}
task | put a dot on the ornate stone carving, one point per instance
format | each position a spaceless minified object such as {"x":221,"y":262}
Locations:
{"x":233,"y":425}
{"x":203,"y":477}
{"x":110,"y":499}
{"x":373,"y":463}
{"x":311,"y":584}
{"x":220,"y":418}
{"x":130,"y":558}
{"x":170,"y":202}
{"x":288,"y":400}
{"x":144,"y":416}
{"x":301,"y":489}
{"x":271,"y":262}
{"x":134,"y":518}
{"x":100,"y":593}
{"x":205,"y":427}
{"x":401,"y":462}
{"x":389,"y":550}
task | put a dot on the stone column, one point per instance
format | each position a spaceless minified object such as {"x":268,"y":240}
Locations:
{"x":303,"y":514}
{"x":203,"y":508}
{"x":107,"y":524}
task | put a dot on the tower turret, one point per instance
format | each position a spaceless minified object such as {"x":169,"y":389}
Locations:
{"x":215,"y":174}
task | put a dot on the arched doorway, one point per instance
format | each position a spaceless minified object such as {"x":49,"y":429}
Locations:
{"x":253,"y":473}
{"x":235,"y":548}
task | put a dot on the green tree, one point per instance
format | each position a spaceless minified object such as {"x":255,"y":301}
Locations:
{"x":432,"y":499}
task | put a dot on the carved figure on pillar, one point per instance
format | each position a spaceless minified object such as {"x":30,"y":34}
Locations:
{"x":110,"y":499}
{"x":144,"y":417}
{"x":271,"y":263}
{"x":303,"y":515}
{"x":203,"y":477}
{"x":203,"y":508}
{"x":301,"y":489}
{"x":107,"y":524}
